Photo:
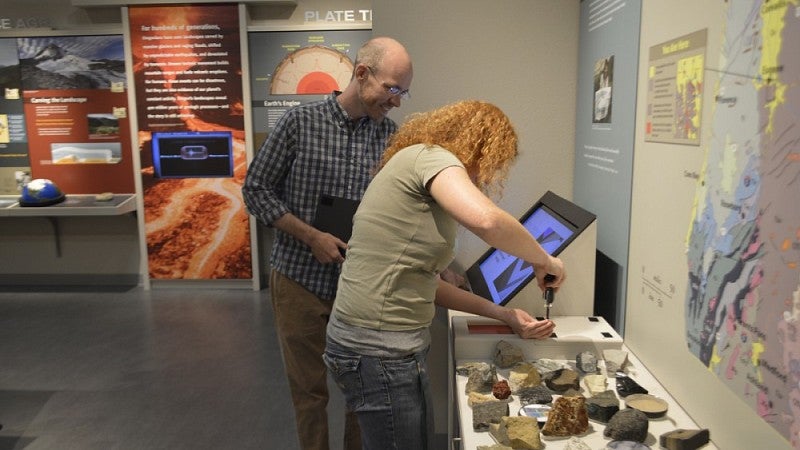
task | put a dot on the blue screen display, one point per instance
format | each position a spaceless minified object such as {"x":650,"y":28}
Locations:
{"x":506,"y":274}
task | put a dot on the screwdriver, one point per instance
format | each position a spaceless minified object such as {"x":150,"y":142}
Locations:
{"x":549,"y":295}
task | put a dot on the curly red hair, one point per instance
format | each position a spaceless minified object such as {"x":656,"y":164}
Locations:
{"x":478,"y":133}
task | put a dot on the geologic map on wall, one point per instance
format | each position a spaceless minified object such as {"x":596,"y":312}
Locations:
{"x":743,"y":295}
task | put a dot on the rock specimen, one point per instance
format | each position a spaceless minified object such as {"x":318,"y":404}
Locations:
{"x":576,"y":443}
{"x":681,"y":439}
{"x":539,"y":395}
{"x":489,"y":412}
{"x":595,"y":383}
{"x":500,"y":390}
{"x":518,"y":432}
{"x":544,"y":365}
{"x":626,"y":386}
{"x":650,"y":405}
{"x":467,"y":368}
{"x":615,"y":360}
{"x":627,"y":425}
{"x":567,"y":418}
{"x":494,"y":447}
{"x":586,"y":362}
{"x":481,"y":380}
{"x":602,"y":407}
{"x":507,"y":354}
{"x":523,"y":375}
{"x":473,"y":398}
{"x":562,"y":379}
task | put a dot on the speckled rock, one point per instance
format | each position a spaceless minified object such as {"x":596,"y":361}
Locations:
{"x":627,"y":425}
{"x":485,"y":413}
{"x":586,"y":362}
{"x":481,"y":380}
{"x":539,"y":395}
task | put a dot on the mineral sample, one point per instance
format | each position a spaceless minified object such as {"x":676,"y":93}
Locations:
{"x":545,"y":365}
{"x":615,"y":360}
{"x":500,"y":390}
{"x":626,"y":445}
{"x":595,"y":383}
{"x":586,"y":362}
{"x":467,"y":368}
{"x":576,"y":443}
{"x":626,"y":386}
{"x":627,"y":425}
{"x":473,"y":398}
{"x":523,"y":375}
{"x":681,"y":439}
{"x":481,"y":380}
{"x":485,"y":413}
{"x":507,"y":354}
{"x":602,"y":407}
{"x":567,"y":418}
{"x":562,"y":379}
{"x":518,"y":432}
{"x":539,"y":395}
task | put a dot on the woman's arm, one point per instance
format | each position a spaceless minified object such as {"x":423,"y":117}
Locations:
{"x":521,"y":322}
{"x":455,"y":192}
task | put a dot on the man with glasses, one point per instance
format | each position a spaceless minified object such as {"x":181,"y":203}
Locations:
{"x":329,"y":147}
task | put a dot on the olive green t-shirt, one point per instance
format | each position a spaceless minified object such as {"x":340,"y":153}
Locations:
{"x":402,"y":239}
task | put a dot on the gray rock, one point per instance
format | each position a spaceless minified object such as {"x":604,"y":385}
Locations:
{"x":507,"y":354}
{"x":467,"y":368}
{"x":481,"y":380}
{"x":602,"y":407}
{"x":586,"y":362}
{"x":539,"y":395}
{"x":626,"y":445}
{"x":545,"y":365}
{"x":485,"y":413}
{"x":627,"y":425}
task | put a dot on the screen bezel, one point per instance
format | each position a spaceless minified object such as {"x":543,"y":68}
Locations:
{"x":158,"y":137}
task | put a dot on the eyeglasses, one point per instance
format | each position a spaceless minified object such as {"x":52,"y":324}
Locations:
{"x":392,"y":90}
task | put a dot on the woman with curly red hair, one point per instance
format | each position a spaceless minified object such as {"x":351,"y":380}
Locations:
{"x":433,"y":177}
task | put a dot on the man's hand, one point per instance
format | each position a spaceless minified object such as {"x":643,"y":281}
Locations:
{"x":327,"y":248}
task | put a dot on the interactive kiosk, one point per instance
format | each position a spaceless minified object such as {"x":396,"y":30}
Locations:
{"x":569,"y":232}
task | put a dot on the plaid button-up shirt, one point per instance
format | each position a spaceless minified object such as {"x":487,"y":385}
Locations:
{"x":314,"y":149}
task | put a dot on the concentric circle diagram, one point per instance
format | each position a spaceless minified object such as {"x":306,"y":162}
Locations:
{"x":312,"y":70}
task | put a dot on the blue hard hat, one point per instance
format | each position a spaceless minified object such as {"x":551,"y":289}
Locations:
{"x":40,"y":192}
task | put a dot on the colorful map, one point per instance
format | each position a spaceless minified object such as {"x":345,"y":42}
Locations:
{"x":743,"y":245}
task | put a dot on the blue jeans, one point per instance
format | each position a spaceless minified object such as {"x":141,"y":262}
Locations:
{"x":390,"y":397}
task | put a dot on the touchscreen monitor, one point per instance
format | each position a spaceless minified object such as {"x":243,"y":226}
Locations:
{"x":498,"y":276}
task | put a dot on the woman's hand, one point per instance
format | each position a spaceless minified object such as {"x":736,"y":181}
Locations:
{"x":527,"y":327}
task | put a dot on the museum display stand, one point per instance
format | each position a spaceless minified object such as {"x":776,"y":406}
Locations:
{"x":473,"y":339}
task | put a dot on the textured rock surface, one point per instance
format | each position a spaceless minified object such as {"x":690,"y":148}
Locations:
{"x":485,"y":413}
{"x":467,"y":368}
{"x":595,"y":383}
{"x":615,"y":360}
{"x":567,"y":418}
{"x":602,"y":407}
{"x":627,"y":425}
{"x":562,"y":379}
{"x":627,"y":445}
{"x":481,"y":380}
{"x":545,"y":365}
{"x":586,"y":362}
{"x":518,"y":432}
{"x":507,"y":354}
{"x":681,"y":439}
{"x":500,"y":390}
{"x":473,"y":398}
{"x":494,"y":447}
{"x":523,"y":375}
{"x":539,"y":395}
{"x":576,"y":443}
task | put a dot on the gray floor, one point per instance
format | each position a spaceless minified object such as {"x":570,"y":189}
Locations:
{"x":159,"y":369}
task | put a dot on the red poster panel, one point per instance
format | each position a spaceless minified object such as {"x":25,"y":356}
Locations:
{"x":188,"y":85}
{"x":76,"y":112}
